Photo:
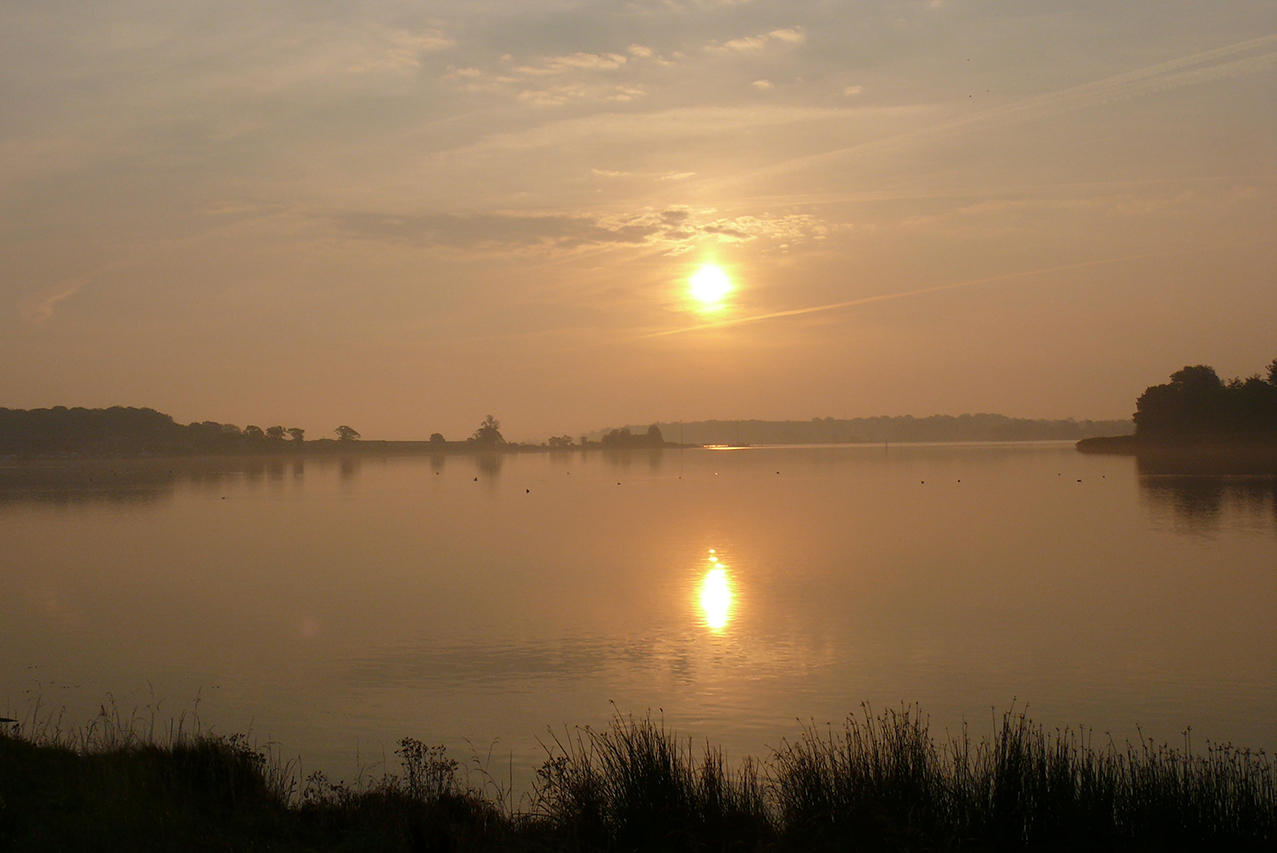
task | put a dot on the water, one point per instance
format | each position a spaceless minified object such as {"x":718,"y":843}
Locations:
{"x":332,"y":607}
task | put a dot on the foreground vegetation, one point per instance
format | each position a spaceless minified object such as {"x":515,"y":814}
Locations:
{"x":879,"y":783}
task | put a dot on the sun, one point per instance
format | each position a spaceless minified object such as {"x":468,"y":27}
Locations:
{"x":709,"y":286}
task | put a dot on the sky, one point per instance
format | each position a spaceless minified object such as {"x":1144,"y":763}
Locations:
{"x":404,"y":216}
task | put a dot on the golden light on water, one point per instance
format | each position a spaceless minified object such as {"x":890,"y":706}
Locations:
{"x":716,"y":595}
{"x":709,"y":286}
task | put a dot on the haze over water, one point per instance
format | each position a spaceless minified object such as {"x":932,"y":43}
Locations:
{"x":334,"y":606}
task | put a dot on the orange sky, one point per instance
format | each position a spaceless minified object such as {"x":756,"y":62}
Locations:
{"x":406,"y":216}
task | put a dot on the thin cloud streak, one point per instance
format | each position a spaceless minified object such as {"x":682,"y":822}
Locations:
{"x":1154,"y":78}
{"x":817,"y":200}
{"x":41,"y":307}
{"x":885,"y":297}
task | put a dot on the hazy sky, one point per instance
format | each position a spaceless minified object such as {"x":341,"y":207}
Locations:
{"x":407,"y":215}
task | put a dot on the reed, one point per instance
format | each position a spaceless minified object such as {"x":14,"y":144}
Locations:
{"x":884,"y":782}
{"x":636,"y":785}
{"x":878,"y":782}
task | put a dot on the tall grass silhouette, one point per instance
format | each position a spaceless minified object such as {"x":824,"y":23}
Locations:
{"x":877,"y":782}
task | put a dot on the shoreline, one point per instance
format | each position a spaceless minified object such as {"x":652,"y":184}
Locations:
{"x":1188,"y":457}
{"x":329,"y":448}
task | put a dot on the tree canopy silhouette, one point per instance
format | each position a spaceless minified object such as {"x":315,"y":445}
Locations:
{"x":127,"y":431}
{"x":345,"y":433}
{"x":489,"y":432}
{"x":1197,"y":405}
{"x":623,"y":438}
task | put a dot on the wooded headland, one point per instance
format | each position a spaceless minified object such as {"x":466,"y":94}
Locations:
{"x":1199,"y":423}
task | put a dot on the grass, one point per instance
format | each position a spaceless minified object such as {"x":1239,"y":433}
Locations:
{"x":880,"y":782}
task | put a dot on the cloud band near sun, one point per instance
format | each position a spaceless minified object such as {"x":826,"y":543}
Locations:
{"x":674,"y":229}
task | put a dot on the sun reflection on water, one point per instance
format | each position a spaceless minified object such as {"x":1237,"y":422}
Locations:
{"x":716,"y":595}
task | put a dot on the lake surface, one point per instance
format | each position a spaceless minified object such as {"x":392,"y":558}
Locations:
{"x":334,"y":606}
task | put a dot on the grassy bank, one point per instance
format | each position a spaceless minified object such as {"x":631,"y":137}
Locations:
{"x":878,"y":783}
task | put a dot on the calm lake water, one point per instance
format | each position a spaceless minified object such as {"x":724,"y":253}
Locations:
{"x":333,"y":607}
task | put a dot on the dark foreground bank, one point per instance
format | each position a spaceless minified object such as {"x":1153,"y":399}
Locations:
{"x":879,"y":783}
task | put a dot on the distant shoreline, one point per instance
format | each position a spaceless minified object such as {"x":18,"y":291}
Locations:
{"x":124,"y":432}
{"x":364,"y":447}
{"x":330,"y":447}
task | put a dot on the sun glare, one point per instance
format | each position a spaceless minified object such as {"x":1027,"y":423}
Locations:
{"x":709,"y":286}
{"x":716,"y":595}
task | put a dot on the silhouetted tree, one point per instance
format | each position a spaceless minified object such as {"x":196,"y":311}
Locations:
{"x":78,"y":430}
{"x":621,"y":438}
{"x":617,"y":438}
{"x":560,"y":441}
{"x":345,"y":433}
{"x":117,"y":430}
{"x":437,"y":438}
{"x":275,"y":433}
{"x":297,"y":433}
{"x":489,"y":432}
{"x":1272,"y":372}
{"x":1196,"y":404}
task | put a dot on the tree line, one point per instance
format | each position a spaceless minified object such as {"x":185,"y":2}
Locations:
{"x":1198,"y":405}
{"x":127,"y":430}
{"x":876,"y":430}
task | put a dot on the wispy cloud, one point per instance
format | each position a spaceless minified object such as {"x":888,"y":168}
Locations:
{"x":1240,"y":59}
{"x":574,"y":62}
{"x":455,"y":73}
{"x":670,"y":228}
{"x":41,"y":306}
{"x":401,"y":49}
{"x":559,"y":95}
{"x":753,"y":44}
